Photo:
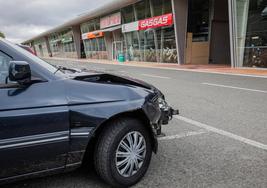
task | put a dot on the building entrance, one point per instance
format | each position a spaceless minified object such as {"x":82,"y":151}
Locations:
{"x":208,"y":39}
{"x":117,"y":48}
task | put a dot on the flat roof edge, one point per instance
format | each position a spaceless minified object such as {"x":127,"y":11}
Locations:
{"x":104,"y":9}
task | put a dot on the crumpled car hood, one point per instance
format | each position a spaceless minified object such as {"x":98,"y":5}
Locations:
{"x":102,"y":77}
{"x":95,"y":87}
{"x":99,"y":87}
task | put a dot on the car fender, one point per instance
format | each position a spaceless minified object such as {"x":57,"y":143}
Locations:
{"x":86,"y":119}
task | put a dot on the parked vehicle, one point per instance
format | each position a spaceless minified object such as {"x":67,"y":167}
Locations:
{"x":52,"y":119}
{"x":25,"y":47}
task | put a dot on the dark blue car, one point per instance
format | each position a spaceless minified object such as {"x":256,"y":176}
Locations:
{"x":52,"y":119}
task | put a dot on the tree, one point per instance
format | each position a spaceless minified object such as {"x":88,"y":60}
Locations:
{"x":2,"y":34}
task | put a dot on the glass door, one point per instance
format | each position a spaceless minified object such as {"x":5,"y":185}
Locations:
{"x":198,"y":32}
{"x":117,"y":48}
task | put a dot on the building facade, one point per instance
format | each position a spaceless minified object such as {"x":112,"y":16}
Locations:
{"x":228,"y":32}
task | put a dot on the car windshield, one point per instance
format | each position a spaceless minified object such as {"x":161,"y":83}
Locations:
{"x":36,"y":59}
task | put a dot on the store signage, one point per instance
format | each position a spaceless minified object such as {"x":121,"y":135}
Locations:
{"x":55,"y":41}
{"x":111,"y":20}
{"x":158,"y":21}
{"x":129,"y":27}
{"x":67,"y":39}
{"x":92,"y":35}
{"x":154,"y":22}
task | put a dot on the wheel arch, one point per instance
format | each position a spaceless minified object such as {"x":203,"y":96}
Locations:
{"x":137,"y":114}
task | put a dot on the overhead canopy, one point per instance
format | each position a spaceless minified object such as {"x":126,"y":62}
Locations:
{"x":106,"y":30}
{"x":111,"y":29}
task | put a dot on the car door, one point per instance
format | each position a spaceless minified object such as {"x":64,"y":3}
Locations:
{"x":34,"y":125}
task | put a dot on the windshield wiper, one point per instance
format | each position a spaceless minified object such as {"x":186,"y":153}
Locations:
{"x":61,"y":68}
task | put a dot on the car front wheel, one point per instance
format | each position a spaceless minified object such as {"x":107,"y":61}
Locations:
{"x":123,"y":152}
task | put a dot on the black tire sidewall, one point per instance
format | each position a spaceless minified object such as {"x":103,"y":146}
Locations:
{"x":131,"y":125}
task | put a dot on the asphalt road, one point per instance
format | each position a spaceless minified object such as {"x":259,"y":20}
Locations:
{"x":220,"y":139}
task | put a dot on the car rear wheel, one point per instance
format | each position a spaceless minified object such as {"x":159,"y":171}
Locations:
{"x":123,"y":152}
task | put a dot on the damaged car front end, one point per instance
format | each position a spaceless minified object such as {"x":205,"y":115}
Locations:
{"x":155,"y":106}
{"x":76,"y":115}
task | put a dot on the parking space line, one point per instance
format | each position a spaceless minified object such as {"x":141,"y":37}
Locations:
{"x":233,"y":87}
{"x":223,"y":133}
{"x":183,"y":135}
{"x":155,"y":76}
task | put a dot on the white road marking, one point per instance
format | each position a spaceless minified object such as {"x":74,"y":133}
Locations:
{"x":155,"y":76}
{"x":233,"y":87}
{"x":222,"y":132}
{"x":183,"y":135}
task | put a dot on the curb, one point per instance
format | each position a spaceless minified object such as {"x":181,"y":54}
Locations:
{"x":208,"y":71}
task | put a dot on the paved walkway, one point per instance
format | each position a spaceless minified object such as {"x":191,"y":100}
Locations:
{"x":223,"y":69}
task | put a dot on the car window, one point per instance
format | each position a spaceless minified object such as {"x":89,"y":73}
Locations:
{"x":36,"y":59}
{"x":4,"y":66}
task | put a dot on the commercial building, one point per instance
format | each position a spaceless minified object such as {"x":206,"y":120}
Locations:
{"x":229,"y":32}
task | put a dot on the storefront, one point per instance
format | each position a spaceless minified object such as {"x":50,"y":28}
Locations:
{"x":148,"y":31}
{"x":62,"y":44}
{"x":99,"y":34}
{"x":152,"y":40}
{"x":208,"y":37}
{"x":220,"y":32}
{"x":40,"y":47}
{"x":93,"y":40}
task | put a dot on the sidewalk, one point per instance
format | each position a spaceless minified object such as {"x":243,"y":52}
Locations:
{"x":220,"y":69}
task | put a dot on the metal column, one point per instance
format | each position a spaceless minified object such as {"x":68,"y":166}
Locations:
{"x":180,"y":12}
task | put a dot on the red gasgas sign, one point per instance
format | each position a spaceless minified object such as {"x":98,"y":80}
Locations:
{"x":158,"y":21}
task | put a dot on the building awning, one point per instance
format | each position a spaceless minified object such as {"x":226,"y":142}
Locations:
{"x":107,"y":30}
{"x":99,"y":33}
{"x":111,"y":29}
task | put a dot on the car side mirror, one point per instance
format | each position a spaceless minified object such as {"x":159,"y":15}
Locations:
{"x":19,"y":71}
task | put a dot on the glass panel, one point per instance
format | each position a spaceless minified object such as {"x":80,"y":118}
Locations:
{"x":4,"y":66}
{"x":167,"y":6}
{"x":157,"y":7}
{"x":143,"y":10}
{"x":251,"y":28}
{"x":40,"y":47}
{"x":90,"y":26}
{"x":61,"y":44}
{"x":198,"y":20}
{"x":169,"y":52}
{"x":150,"y":48}
{"x":127,"y":14}
{"x":94,"y":48}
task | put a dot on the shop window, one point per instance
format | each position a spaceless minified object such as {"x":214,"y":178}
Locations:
{"x":169,"y":52}
{"x":251,"y":33}
{"x":154,"y":45}
{"x":198,"y":20}
{"x":128,"y":14}
{"x":167,"y":6}
{"x":157,"y":7}
{"x":90,"y":26}
{"x":95,"y":48}
{"x":142,"y":10}
{"x":97,"y":24}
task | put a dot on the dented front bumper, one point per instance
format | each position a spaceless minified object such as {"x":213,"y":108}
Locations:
{"x":167,"y":114}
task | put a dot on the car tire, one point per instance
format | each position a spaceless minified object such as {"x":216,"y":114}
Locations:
{"x":117,"y":164}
